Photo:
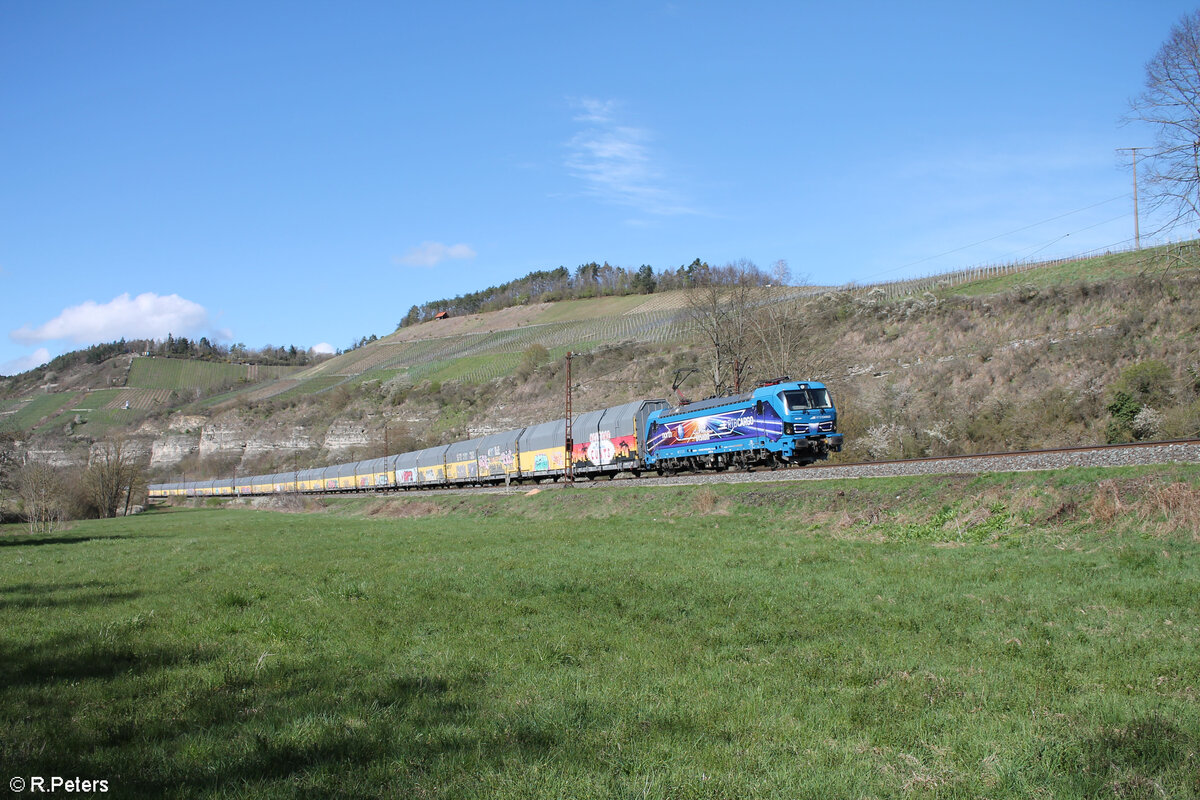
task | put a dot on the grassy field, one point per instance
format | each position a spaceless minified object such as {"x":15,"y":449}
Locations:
{"x":1005,"y":636}
{"x":99,"y":410}
{"x":183,"y":374}
{"x":43,"y":406}
{"x":1152,"y":261}
{"x":603,"y":307}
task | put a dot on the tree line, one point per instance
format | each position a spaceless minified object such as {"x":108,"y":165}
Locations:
{"x":182,"y":347}
{"x":203,"y":350}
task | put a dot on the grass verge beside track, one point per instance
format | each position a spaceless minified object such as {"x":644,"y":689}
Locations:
{"x":1001,"y":636}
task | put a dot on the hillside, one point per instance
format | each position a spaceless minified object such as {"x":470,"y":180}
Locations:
{"x":979,"y":360}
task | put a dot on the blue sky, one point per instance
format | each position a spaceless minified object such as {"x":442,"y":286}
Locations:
{"x":303,"y":172}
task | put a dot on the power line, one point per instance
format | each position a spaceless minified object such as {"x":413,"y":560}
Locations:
{"x":998,"y":236}
{"x":1079,"y":230}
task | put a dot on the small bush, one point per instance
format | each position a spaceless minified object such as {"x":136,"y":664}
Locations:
{"x":534,"y":356}
{"x":1148,"y":383}
{"x":1147,"y":424}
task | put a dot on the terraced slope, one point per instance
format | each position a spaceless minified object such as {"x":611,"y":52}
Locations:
{"x":151,"y":384}
{"x":34,"y":411}
{"x":176,"y":374}
{"x":481,"y":347}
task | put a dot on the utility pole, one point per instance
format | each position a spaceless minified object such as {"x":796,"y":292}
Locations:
{"x":569,"y":466}
{"x":1137,"y":236}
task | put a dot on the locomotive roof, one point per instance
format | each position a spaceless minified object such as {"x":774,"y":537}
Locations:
{"x":711,"y":402}
{"x":733,"y":399}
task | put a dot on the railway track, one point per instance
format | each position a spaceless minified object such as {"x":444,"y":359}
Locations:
{"x":1109,"y":455}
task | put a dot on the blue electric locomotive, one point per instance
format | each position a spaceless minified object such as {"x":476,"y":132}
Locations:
{"x":783,"y":422}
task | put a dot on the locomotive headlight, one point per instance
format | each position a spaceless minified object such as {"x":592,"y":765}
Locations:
{"x":787,"y":428}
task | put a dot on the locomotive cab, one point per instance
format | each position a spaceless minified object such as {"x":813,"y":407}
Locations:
{"x":808,"y":415}
{"x":807,"y":410}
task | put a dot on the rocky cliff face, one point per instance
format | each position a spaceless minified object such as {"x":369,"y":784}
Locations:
{"x":172,"y":448}
{"x":344,"y":435}
{"x":247,"y":438}
{"x":240,"y":438}
{"x":174,"y":442}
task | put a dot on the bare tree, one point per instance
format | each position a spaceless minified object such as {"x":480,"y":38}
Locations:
{"x":780,"y":273}
{"x":787,"y":340}
{"x":720,"y":303}
{"x":113,"y":477}
{"x":41,"y":491}
{"x":1170,"y":103}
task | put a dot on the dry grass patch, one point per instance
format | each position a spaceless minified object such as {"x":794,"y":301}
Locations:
{"x":1173,"y":508}
{"x":709,"y":503}
{"x":977,"y":516}
{"x":289,"y":503}
{"x":1162,"y":509}
{"x":405,"y":509}
{"x":1105,"y":505}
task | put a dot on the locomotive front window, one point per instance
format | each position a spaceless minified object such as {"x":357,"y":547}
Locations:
{"x":804,"y":399}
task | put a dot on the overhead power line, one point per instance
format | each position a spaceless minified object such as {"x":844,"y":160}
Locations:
{"x":1000,"y":236}
{"x":1040,"y":248}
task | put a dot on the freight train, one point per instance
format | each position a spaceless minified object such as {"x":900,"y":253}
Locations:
{"x":779,"y":423}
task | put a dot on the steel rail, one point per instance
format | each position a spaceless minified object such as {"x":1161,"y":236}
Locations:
{"x":1010,"y":454}
{"x":810,"y":472}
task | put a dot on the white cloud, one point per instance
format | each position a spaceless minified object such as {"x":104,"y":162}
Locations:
{"x":25,"y":363}
{"x":615,"y":162}
{"x":593,"y":110}
{"x":430,"y":254}
{"x":323,"y":348}
{"x":147,"y":316}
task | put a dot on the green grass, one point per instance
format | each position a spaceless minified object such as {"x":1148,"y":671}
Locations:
{"x":177,"y":373}
{"x":183,"y":374}
{"x":1116,"y":266}
{"x":852,"y":639}
{"x":32,"y":413}
{"x":99,"y":422}
{"x":595,"y":308}
{"x":98,"y":399}
{"x":313,"y":385}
